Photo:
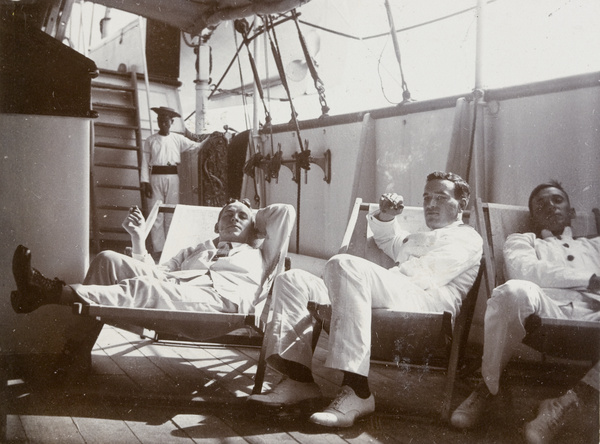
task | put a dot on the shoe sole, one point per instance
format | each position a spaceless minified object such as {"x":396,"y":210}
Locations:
{"x":344,"y":426}
{"x":21,"y":262}
{"x":305,"y":403}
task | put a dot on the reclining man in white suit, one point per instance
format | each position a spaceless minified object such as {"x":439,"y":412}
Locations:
{"x":433,"y":273}
{"x":224,"y":274}
{"x":550,"y":274}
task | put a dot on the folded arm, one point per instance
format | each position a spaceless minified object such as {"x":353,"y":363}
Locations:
{"x":454,"y":252}
{"x":274,"y":225}
{"x":388,"y":235}
{"x":522,"y":262}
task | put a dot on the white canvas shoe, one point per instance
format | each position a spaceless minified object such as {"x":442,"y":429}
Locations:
{"x":345,"y":409}
{"x":470,"y":411}
{"x":553,"y":414}
{"x":287,"y":392}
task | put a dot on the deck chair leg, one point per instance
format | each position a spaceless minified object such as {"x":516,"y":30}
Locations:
{"x":261,"y":369}
{"x":450,"y":380}
{"x":318,"y":327}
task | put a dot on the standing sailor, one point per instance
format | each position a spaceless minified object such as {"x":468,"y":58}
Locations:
{"x":158,"y":176}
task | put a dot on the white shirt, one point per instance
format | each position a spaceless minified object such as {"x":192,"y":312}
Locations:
{"x":559,"y":262}
{"x":443,"y":262}
{"x":163,"y":150}
{"x":239,"y":276}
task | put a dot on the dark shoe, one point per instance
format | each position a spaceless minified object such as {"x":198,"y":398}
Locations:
{"x":33,"y":289}
{"x":470,"y":411}
{"x":552,"y":416}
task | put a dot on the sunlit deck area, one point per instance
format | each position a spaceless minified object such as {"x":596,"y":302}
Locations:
{"x":140,"y":391}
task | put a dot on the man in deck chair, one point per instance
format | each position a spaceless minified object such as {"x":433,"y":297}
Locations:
{"x":551,"y":275}
{"x":434,"y":271}
{"x":224,"y":274}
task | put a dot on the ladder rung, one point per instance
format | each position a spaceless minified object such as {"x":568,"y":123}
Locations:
{"x":115,"y":146}
{"x":113,"y":87}
{"x":112,"y":230}
{"x":118,"y":187}
{"x":113,"y":106}
{"x":116,"y":165}
{"x":113,"y":207}
{"x":113,"y":73}
{"x":118,"y":129}
{"x":115,"y":125}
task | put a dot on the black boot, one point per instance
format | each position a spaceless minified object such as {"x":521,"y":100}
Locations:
{"x":33,"y":289}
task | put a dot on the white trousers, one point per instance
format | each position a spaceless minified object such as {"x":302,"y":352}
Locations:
{"x":504,"y":325}
{"x":117,"y":280}
{"x":165,"y":187}
{"x":354,"y":286}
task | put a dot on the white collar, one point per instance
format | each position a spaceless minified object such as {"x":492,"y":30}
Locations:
{"x":456,"y":223}
{"x":232,"y":244}
{"x":567,"y":232}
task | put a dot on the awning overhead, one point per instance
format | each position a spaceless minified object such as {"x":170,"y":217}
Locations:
{"x":193,"y":16}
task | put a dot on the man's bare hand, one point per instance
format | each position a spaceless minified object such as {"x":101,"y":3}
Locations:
{"x":390,"y":205}
{"x":135,"y":223}
{"x":594,"y":284}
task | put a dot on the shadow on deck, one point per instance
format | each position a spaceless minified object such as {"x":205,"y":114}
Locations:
{"x":140,"y":391}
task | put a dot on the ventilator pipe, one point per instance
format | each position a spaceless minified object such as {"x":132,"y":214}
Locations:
{"x":479,"y":42}
{"x":202,"y":89}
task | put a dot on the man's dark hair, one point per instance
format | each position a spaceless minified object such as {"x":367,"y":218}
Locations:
{"x":461,"y":187}
{"x":243,"y":201}
{"x":550,"y":184}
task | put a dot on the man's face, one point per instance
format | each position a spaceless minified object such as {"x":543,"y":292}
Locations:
{"x":440,"y":206}
{"x":235,"y":223}
{"x":551,"y":210}
{"x":164,"y":123}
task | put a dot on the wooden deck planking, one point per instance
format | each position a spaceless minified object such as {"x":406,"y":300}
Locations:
{"x":223,"y":375}
{"x":14,"y":429}
{"x":259,"y":429}
{"x":101,"y":424}
{"x":40,"y":427}
{"x":143,"y":392}
{"x":206,"y":429}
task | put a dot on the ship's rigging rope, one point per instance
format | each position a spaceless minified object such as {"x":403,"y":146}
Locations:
{"x":302,"y":158}
{"x":243,"y":28}
{"x":319,"y":85}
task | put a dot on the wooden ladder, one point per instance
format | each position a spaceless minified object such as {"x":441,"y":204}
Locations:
{"x":115,"y":158}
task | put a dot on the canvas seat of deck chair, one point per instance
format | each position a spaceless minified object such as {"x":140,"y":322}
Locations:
{"x":417,"y":338}
{"x":562,"y":338}
{"x":190,"y":225}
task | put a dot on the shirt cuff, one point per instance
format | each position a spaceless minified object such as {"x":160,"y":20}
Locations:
{"x":371,"y":217}
{"x":140,"y":257}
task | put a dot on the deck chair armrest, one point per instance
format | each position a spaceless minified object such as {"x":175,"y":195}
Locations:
{"x":564,"y":338}
{"x":533,"y":322}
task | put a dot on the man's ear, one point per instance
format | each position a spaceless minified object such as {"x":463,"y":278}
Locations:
{"x":217,"y":228}
{"x":463,"y":203}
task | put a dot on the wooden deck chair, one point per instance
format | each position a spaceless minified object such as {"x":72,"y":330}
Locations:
{"x":406,"y":337}
{"x":190,"y":226}
{"x":568,"y":339}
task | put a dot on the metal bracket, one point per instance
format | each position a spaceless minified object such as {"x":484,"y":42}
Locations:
{"x":325,"y":164}
{"x":303,"y":160}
